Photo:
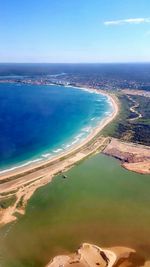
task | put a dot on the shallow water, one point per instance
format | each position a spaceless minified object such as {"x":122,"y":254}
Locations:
{"x":99,"y":202}
{"x":38,"y":122}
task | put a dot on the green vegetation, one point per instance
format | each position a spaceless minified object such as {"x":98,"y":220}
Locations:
{"x":8,"y":193}
{"x":20,"y":203}
{"x":144,"y":107}
{"x":111,"y":128}
{"x":137,"y":130}
{"x":7,"y":202}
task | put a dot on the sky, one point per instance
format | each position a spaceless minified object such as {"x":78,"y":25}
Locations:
{"x":75,"y":31}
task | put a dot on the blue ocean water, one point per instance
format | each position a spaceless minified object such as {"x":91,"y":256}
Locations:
{"x":39,"y":121}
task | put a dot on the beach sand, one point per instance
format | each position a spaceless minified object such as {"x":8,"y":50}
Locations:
{"x":134,"y":157}
{"x":22,"y":182}
{"x":33,"y":166}
{"x":89,"y":255}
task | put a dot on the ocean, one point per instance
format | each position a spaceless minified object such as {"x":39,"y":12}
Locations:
{"x":99,"y":202}
{"x":38,"y":122}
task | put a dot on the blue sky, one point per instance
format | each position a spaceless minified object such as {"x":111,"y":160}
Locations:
{"x":75,"y":31}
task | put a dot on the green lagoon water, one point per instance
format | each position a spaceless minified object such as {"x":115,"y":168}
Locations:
{"x":99,"y":202}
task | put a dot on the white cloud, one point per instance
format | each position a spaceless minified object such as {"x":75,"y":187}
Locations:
{"x":127,"y":21}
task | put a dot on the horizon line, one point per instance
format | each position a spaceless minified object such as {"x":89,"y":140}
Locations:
{"x":111,"y":62}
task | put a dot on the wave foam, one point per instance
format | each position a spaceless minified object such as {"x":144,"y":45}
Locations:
{"x":46,"y":155}
{"x":87,"y":129}
{"x":20,"y":166}
{"x":94,"y":118}
{"x":57,"y":150}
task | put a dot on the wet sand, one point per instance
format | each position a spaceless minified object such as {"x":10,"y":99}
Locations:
{"x":89,"y":255}
{"x":23,"y":181}
{"x":94,"y":133}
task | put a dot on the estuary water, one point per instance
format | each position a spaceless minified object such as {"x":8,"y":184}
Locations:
{"x":99,"y":202}
{"x":38,"y":121}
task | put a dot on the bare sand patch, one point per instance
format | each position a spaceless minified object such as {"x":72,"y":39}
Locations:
{"x":134,"y":157}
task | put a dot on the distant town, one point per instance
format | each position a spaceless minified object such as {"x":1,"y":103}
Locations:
{"x":81,"y":80}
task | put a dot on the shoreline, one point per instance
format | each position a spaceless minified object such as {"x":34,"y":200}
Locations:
{"x":23,"y":182}
{"x":133,"y":157}
{"x":37,"y":162}
{"x":89,"y":255}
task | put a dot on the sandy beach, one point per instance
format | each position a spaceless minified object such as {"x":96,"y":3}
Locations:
{"x":39,"y":164}
{"x":22,"y":182}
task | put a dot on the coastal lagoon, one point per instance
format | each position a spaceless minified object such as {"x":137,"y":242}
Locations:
{"x":39,"y":122}
{"x":99,"y":202}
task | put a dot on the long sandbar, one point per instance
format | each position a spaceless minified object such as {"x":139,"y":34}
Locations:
{"x":22,"y":170}
{"x":24,"y":181}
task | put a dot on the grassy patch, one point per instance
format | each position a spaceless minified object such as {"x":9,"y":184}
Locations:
{"x":7,"y":202}
{"x":137,"y":131}
{"x":20,"y":203}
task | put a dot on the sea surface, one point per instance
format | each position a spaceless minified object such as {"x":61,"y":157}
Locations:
{"x":99,"y":202}
{"x":38,"y":122}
